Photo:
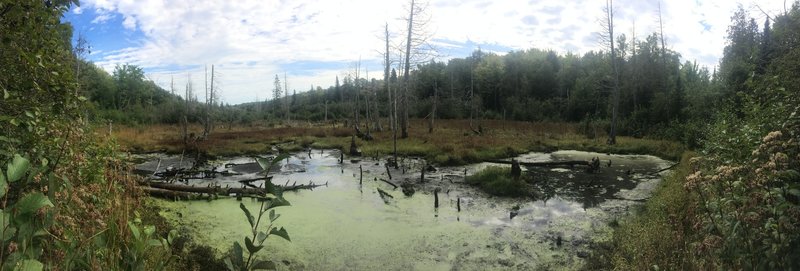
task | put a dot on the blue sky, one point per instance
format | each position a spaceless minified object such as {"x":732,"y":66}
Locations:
{"x":313,"y":41}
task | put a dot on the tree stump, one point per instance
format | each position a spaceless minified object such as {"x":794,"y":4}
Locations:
{"x":516,"y":171}
{"x":353,"y":148}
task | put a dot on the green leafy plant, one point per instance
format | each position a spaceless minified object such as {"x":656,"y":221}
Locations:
{"x":143,"y":240}
{"x":271,"y":198}
{"x":23,"y":223}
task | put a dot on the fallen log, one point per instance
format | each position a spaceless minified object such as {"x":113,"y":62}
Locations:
{"x":544,"y":164}
{"x":222,"y":190}
{"x":167,"y":194}
{"x":249,"y":182}
{"x":665,"y":169}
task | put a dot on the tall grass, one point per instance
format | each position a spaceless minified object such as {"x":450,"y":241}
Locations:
{"x":452,"y":142}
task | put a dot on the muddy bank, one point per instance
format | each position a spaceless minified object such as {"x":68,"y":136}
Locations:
{"x":348,"y":225}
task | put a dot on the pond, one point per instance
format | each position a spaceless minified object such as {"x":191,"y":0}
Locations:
{"x":349,"y":226}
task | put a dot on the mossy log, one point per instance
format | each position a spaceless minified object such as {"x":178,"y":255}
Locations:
{"x":544,"y":164}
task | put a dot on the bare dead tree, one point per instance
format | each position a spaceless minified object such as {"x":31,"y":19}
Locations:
{"x":387,"y":65}
{"x":366,"y":103}
{"x":286,"y":98}
{"x":211,"y":99}
{"x":607,"y":36}
{"x":417,"y":49}
{"x":376,"y":112}
{"x":187,"y":109}
{"x":433,"y":106}
{"x":81,"y":50}
{"x":663,"y":46}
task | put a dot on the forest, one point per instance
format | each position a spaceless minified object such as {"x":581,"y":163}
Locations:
{"x":70,"y":200}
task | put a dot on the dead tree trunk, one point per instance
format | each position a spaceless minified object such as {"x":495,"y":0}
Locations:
{"x":433,"y":107}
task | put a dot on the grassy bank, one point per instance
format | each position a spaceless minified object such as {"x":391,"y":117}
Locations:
{"x":452,"y":142}
{"x":659,"y":235}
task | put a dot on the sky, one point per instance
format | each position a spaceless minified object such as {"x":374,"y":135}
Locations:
{"x":313,"y":41}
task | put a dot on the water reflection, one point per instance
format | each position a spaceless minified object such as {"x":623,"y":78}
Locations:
{"x":349,"y":225}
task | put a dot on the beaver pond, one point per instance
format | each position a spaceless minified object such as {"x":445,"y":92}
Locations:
{"x":347,"y":225}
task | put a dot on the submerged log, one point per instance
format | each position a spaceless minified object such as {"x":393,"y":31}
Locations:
{"x":544,"y":164}
{"x":386,"y":197}
{"x":390,"y":183}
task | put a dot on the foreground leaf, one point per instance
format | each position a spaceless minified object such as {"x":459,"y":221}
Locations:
{"x":3,"y":184}
{"x":29,"y":265}
{"x":238,"y":256}
{"x":249,"y":216}
{"x":281,"y":232}
{"x":250,"y":246}
{"x":32,"y":203}
{"x":17,"y":168}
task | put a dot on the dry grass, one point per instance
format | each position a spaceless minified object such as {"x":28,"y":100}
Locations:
{"x":451,"y":143}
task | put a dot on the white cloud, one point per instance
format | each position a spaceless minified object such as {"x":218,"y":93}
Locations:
{"x":268,"y":34}
{"x":102,"y":18}
{"x":77,"y":10}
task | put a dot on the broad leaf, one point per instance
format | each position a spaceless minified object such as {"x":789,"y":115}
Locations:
{"x":229,"y":265}
{"x":278,"y":202}
{"x":247,"y":213}
{"x":29,"y":265}
{"x":252,"y":248}
{"x":281,"y":232}
{"x":32,"y":203}
{"x":238,"y":256}
{"x":261,"y":237}
{"x":270,"y":188}
{"x":264,"y":265}
{"x":271,"y":215}
{"x":134,"y":230}
{"x":6,"y":230}
{"x":171,"y":236}
{"x":17,"y":168}
{"x":263,"y":163}
{"x":149,"y":230}
{"x":155,"y":243}
{"x":3,"y":184}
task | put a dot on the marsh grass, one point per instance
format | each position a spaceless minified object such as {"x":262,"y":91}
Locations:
{"x":659,"y":235}
{"x":498,"y":181}
{"x":452,"y":143}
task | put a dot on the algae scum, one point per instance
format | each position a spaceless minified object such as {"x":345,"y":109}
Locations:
{"x":349,"y":226}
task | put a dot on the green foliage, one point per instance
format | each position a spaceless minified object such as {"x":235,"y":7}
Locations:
{"x":65,"y":201}
{"x":142,"y":243}
{"x":271,"y":199}
{"x":736,"y":207}
{"x":498,"y":181}
{"x":639,"y":242}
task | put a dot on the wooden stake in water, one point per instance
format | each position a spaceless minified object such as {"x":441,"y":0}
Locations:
{"x":361,"y":174}
{"x":458,"y":204}
{"x":436,"y":198}
{"x":422,"y":175}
